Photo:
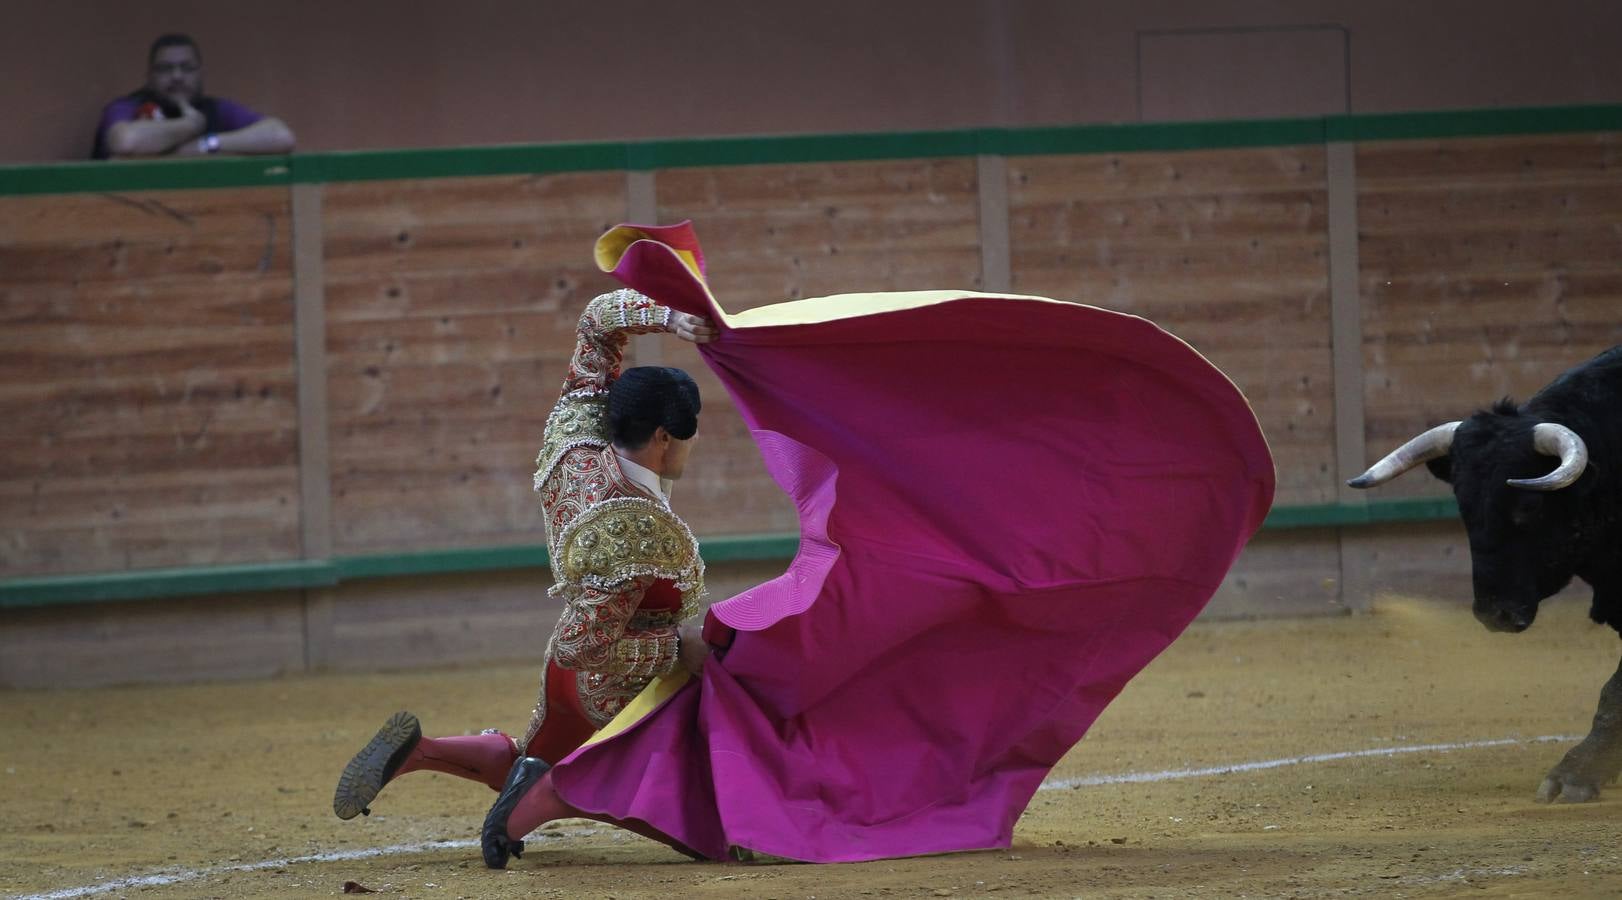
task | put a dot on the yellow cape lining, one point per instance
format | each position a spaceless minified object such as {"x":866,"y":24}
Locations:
{"x":657,"y":692}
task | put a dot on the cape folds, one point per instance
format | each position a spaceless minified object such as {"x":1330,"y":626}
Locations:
{"x":1008,"y":506}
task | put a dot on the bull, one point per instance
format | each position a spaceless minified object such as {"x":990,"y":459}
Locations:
{"x":1539,"y":488}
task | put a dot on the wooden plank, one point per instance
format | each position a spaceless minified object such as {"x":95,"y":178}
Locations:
{"x":1479,"y":161}
{"x":315,"y":502}
{"x":146,"y":371}
{"x":469,"y":224}
{"x":398,"y":623}
{"x":175,"y":640}
{"x":78,"y":501}
{"x":1489,"y":266}
{"x":1226,"y":249}
{"x":82,"y":238}
{"x":774,"y":233}
{"x":1124,"y":176}
{"x":446,"y":349}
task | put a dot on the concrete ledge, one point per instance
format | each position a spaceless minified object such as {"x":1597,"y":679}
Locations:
{"x":393,"y":622}
{"x":427,"y":620}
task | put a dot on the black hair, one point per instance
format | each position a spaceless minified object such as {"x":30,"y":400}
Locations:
{"x":647,"y":397}
{"x":173,"y":39}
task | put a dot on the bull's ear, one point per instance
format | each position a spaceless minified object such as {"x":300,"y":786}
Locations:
{"x":1441,"y":467}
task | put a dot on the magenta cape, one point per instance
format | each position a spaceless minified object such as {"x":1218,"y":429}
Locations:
{"x":1008,"y":506}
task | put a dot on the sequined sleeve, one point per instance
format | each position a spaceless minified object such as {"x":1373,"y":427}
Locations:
{"x":593,"y":634}
{"x":609,"y":320}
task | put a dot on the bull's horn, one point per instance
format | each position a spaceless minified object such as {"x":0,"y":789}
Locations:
{"x":1550,"y":439}
{"x":1427,"y":446}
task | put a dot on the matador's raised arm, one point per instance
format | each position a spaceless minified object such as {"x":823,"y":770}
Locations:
{"x":608,"y":322}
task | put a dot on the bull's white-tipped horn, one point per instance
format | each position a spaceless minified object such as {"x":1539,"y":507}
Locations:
{"x":1550,"y":439}
{"x":1427,"y":446}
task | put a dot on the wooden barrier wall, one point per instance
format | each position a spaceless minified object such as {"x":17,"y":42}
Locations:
{"x":147,"y":370}
{"x":151,"y":364}
{"x":451,"y":306}
{"x":1489,"y":266}
{"x":1228,"y":250}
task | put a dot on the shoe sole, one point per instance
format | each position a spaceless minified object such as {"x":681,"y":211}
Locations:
{"x":372,"y":767}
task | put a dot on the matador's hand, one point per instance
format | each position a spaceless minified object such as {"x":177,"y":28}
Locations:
{"x":693,"y":328}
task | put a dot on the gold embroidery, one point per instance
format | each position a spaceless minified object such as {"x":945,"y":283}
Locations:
{"x":605,"y":326}
{"x":625,"y":537}
{"x":603,"y":696}
{"x":575,"y":422}
{"x":591,"y":635}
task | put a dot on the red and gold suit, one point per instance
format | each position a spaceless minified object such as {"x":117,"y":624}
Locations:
{"x":626,"y":569}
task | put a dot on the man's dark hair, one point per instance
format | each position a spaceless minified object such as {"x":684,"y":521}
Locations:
{"x":647,"y":397}
{"x":173,"y":40}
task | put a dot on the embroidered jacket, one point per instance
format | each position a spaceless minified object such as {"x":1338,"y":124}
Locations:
{"x":625,"y":567}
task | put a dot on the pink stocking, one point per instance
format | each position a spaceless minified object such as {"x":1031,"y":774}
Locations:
{"x":542,"y":804}
{"x":481,"y":757}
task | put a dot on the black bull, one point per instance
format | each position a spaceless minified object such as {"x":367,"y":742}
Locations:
{"x":1540,"y":492}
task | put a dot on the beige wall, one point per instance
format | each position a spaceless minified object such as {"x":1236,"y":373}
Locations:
{"x":368,"y":74}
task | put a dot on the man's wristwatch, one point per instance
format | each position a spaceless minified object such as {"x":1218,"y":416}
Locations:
{"x":209,"y":143}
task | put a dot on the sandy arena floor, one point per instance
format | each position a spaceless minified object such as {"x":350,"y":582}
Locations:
{"x":224,"y":790}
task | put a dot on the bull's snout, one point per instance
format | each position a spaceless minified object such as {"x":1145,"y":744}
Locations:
{"x":1503,"y":618}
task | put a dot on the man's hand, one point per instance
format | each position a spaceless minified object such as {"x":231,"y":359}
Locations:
{"x":189,"y":114}
{"x":693,"y":328}
{"x":153,"y":137}
{"x":693,"y":648}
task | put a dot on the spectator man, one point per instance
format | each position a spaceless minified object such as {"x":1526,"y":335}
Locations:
{"x":171,"y":116}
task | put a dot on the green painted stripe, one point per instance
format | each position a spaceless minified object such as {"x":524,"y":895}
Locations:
{"x":380,"y":165}
{"x":300,"y":574}
{"x":151,"y":583}
{"x":734,"y":548}
{"x":144,"y":175}
{"x":1323,"y":516}
{"x":749,"y":548}
{"x":469,"y":559}
{"x":373,"y":165}
{"x":1414,"y":509}
{"x":1379,"y":512}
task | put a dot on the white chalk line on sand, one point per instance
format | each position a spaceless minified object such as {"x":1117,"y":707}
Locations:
{"x":1175,"y":774}
{"x":163,"y":878}
{"x":166,"y":878}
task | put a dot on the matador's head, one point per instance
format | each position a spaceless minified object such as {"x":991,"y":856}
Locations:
{"x":653,"y":412}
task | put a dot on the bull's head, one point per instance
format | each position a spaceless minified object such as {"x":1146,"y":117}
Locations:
{"x":1520,"y":522}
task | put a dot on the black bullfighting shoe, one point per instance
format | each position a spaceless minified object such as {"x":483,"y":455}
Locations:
{"x":494,"y":841}
{"x":375,"y":764}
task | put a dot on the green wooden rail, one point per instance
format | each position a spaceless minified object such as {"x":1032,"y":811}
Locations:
{"x":371,"y":165}
{"x":299,"y":574}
